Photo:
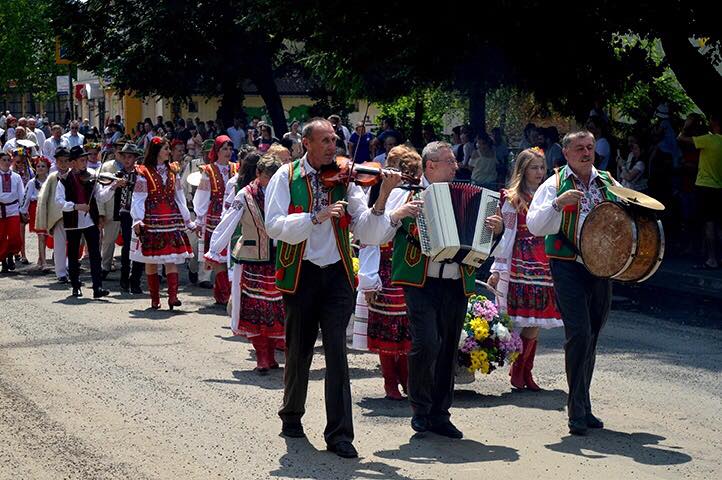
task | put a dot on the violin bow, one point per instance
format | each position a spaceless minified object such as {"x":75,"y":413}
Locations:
{"x":353,"y":159}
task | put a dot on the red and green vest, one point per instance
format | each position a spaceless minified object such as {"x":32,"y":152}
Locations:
{"x":289,"y":257}
{"x":558,"y":245}
{"x":409,"y":266}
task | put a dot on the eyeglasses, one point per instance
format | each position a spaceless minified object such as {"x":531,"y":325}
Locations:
{"x":448,"y":162}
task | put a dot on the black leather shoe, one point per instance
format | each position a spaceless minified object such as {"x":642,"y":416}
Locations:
{"x":77,"y":292}
{"x":594,"y":422}
{"x":11,"y":263}
{"x":125,"y":286}
{"x":292,"y":430}
{"x":420,"y":423}
{"x":578,"y":427}
{"x":135,"y":289}
{"x":445,"y":429}
{"x":100,"y":292}
{"x":343,"y":449}
{"x":63,"y":280}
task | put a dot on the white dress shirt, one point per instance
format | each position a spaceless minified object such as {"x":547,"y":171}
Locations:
{"x":542,"y":219}
{"x":73,"y":140}
{"x":294,"y":228}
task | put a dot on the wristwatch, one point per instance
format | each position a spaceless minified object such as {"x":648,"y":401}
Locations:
{"x":556,"y":206}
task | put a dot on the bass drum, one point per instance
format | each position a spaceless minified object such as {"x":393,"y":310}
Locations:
{"x":622,"y":242}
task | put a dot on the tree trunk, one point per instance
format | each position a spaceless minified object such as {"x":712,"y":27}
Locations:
{"x":263,"y":78}
{"x":231,"y":103}
{"x":477,"y":108}
{"x":695,"y":73}
{"x":416,"y":137}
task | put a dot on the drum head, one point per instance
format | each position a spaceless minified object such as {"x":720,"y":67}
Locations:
{"x":608,"y":240}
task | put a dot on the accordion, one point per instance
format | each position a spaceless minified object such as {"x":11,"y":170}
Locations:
{"x":451,"y":225}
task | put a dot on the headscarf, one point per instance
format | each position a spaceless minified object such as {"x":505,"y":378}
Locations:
{"x":217,"y":144}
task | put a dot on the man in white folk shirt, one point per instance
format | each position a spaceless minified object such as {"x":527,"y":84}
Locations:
{"x":558,"y":211}
{"x":314,"y":271}
{"x":436,"y":298}
{"x":53,"y":143}
{"x":78,"y":195}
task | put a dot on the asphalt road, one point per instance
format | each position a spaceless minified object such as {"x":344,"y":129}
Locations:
{"x":108,"y":389}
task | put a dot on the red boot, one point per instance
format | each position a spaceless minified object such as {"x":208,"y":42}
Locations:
{"x":222,"y":288}
{"x":517,"y":369}
{"x":402,"y":368}
{"x":260,"y":344}
{"x":391,"y":380}
{"x":173,"y":290}
{"x":529,"y":354}
{"x":272,"y":347}
{"x":154,"y":288}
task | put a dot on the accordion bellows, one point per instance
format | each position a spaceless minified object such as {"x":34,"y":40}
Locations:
{"x":451,"y":225}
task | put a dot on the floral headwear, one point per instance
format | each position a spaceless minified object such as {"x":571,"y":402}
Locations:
{"x":42,"y":159}
{"x":175,"y":142}
{"x":157,"y":140}
{"x":217,"y":144}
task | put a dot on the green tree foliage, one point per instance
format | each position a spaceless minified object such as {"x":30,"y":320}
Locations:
{"x":175,"y":48}
{"x":27,"y":61}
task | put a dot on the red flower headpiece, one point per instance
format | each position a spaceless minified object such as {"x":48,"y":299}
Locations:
{"x":537,"y":150}
{"x":157,"y":140}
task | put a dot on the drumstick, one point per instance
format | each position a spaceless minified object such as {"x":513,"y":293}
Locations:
{"x":490,"y":288}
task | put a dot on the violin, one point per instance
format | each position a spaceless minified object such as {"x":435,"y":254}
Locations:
{"x":343,"y":171}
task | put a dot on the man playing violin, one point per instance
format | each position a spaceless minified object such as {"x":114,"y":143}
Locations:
{"x":77,"y":194}
{"x":311,"y":222}
{"x":436,"y":298}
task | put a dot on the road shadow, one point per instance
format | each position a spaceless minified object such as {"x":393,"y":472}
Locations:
{"x":383,"y":407}
{"x":161,"y":314}
{"x":84,"y":300}
{"x":354,"y":373}
{"x":641,"y":447}
{"x":550,"y":400}
{"x":303,"y":460}
{"x":272,"y":381}
{"x":432,"y":449}
{"x":212,"y":309}
{"x":89,"y":336}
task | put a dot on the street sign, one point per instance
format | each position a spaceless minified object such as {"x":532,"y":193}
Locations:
{"x":62,"y":84}
{"x":61,"y":53}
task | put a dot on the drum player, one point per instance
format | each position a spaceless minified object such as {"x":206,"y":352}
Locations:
{"x":558,"y":211}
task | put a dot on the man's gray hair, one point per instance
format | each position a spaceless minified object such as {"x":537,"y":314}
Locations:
{"x":571,"y":136}
{"x":431,"y":152}
{"x":307,"y":131}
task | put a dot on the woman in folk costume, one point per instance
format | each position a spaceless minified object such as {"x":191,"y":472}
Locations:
{"x":160,"y":218}
{"x":521,"y":268}
{"x":387,"y":331}
{"x":30,"y":203}
{"x":257,"y":307}
{"x":208,"y":205}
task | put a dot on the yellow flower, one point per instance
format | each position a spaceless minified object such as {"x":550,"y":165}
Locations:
{"x":480,"y":328}
{"x":484,"y":367}
{"x":356,"y":265}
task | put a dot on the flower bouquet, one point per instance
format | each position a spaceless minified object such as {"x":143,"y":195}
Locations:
{"x":487,"y":340}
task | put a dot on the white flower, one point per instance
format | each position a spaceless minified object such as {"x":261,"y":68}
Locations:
{"x":501,"y":332}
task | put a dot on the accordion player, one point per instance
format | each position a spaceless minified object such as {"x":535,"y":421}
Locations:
{"x":452,"y":225}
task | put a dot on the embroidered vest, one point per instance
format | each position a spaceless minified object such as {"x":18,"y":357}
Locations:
{"x":218,"y":191}
{"x":161,"y":210}
{"x":72,"y":194}
{"x":409,"y":266}
{"x":250,"y":242}
{"x":561,"y":245}
{"x":289,"y":257}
